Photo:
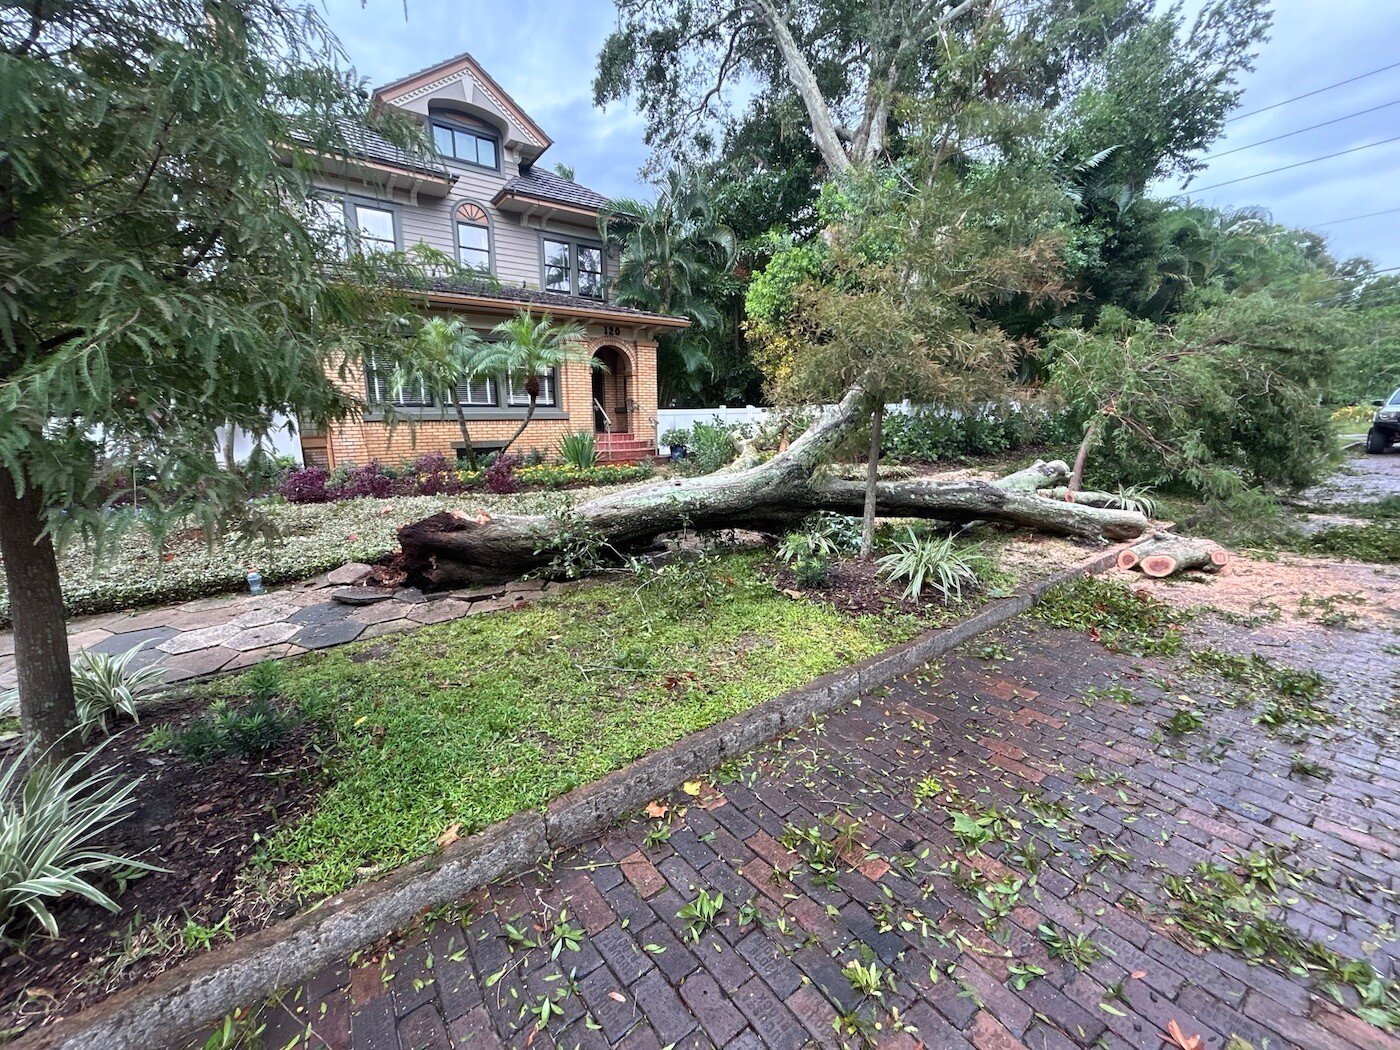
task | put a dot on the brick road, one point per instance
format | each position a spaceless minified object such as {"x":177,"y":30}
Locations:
{"x":1087,"y":781}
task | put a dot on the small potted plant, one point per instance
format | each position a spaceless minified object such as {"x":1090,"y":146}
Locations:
{"x":676,"y":439}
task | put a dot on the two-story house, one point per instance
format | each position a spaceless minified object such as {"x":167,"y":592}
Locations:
{"x":487,"y":202}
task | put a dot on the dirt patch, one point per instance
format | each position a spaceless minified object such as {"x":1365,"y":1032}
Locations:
{"x":856,"y":588}
{"x":1291,"y":587}
{"x":202,"y":824}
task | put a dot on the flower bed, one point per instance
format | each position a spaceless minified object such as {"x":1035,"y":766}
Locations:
{"x":435,"y":475}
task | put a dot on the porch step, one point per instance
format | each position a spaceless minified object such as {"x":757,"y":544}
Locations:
{"x":629,"y":458}
{"x":620,"y":441}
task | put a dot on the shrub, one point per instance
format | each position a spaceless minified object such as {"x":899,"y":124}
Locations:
{"x":579,"y":450}
{"x":263,"y":681}
{"x":676,"y":436}
{"x":49,"y":819}
{"x":307,"y":485}
{"x":500,"y":477}
{"x":224,"y":730}
{"x":811,"y":571}
{"x":711,"y":447}
{"x":432,"y":474}
{"x":933,"y":561}
{"x":371,"y":480}
{"x":103,"y":685}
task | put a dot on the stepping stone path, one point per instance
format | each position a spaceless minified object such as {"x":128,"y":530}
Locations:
{"x":208,"y":635}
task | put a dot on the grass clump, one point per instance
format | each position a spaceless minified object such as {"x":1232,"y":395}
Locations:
{"x":1377,"y":542}
{"x":472,"y":721}
{"x":1125,"y":620}
{"x":936,"y":563}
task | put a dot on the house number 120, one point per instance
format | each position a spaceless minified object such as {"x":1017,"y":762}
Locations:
{"x":611,"y":329}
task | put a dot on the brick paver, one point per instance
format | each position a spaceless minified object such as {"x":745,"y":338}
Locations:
{"x":1098,"y":806}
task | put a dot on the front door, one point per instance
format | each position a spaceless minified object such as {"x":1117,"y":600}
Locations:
{"x":600,"y":389}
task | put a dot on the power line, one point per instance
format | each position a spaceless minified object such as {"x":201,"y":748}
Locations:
{"x":1299,"y":164}
{"x":1353,"y":218}
{"x":1310,"y":127}
{"x":1310,"y":94}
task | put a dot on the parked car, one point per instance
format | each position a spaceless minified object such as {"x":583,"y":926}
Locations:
{"x":1385,"y":424}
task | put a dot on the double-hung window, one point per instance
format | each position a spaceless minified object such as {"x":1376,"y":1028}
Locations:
{"x":466,"y":141}
{"x":412,"y":392}
{"x":374,"y":226}
{"x":572,"y":267}
{"x":477,"y":393}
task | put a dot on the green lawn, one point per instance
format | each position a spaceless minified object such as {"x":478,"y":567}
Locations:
{"x":469,"y":722}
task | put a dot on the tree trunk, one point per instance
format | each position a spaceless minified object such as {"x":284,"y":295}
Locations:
{"x":872,"y":481}
{"x":47,"y":711}
{"x":771,"y":497}
{"x":1076,"y":476}
{"x":466,"y":437}
{"x":1175,"y":554}
{"x":529,"y":415}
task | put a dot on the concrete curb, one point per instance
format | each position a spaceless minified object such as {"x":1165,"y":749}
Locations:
{"x":196,"y":994}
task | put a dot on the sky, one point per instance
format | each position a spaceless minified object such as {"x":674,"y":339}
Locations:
{"x":544,"y":51}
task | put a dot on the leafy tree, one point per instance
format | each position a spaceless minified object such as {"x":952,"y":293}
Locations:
{"x":888,"y":301}
{"x":674,"y":257}
{"x":164,"y":275}
{"x":530,"y":347}
{"x":446,"y":354}
{"x":1228,"y":397}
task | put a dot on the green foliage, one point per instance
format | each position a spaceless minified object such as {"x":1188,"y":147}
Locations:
{"x":1077,"y":949}
{"x":263,"y":681}
{"x":1377,"y":542}
{"x":579,"y":450}
{"x":1236,"y":907}
{"x":469,"y":722}
{"x":701,"y":914}
{"x":223,"y":730}
{"x":104,"y":685}
{"x":1229,"y":399}
{"x":934,"y":562}
{"x":1184,"y":721}
{"x":1124,"y":619}
{"x":528,"y":347}
{"x":711,"y":446}
{"x":51,"y":814}
{"x":812,"y":571}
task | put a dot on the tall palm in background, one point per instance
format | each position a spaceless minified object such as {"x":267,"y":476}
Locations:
{"x":674,"y":257}
{"x":528,"y":348}
{"x":445,"y":354}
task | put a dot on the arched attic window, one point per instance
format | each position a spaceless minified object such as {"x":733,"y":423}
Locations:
{"x":473,"y":237}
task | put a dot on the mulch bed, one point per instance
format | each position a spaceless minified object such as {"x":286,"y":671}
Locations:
{"x":197,"y":821}
{"x":853,"y":587}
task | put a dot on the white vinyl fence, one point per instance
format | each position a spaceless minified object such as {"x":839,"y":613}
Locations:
{"x":685,"y":418}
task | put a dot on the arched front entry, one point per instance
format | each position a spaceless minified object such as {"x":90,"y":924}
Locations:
{"x":610,"y":391}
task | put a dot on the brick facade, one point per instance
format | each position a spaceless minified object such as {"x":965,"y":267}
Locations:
{"x":630,"y":400}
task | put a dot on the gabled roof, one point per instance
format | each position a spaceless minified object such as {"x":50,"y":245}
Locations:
{"x":455,"y":67}
{"x":540,"y":184}
{"x":508,"y":297}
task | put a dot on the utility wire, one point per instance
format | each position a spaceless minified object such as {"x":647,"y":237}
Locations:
{"x":1299,"y":164}
{"x":1310,"y":94}
{"x":1310,"y":127}
{"x":1353,"y":218}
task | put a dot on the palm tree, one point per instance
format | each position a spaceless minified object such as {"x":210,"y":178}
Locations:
{"x":674,"y":257}
{"x":529,"y":347}
{"x":444,"y":355}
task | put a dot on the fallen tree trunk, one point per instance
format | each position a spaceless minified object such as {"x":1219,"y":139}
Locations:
{"x":1178,"y":554}
{"x":772,"y":497}
{"x":1129,"y":557}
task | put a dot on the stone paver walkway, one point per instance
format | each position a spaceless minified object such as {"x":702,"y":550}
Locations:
{"x":836,"y":846}
{"x":200,"y":637}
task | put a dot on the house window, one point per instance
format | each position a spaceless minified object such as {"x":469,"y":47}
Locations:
{"x":516,"y":395}
{"x":477,"y":393}
{"x":470,"y":145}
{"x":473,"y":238}
{"x":374,"y":227}
{"x":381,"y":388}
{"x":328,"y":216}
{"x":572,"y":267}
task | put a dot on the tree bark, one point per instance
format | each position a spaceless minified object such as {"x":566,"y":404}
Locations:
{"x":466,"y":437}
{"x":1175,"y":554}
{"x":1076,"y":476}
{"x":770,"y":497}
{"x":872,"y":481}
{"x":529,"y":415}
{"x":47,"y":710}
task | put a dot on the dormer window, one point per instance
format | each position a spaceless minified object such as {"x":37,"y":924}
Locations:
{"x":468,"y":141}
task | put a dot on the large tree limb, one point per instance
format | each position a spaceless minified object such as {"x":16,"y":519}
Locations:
{"x":447,"y":549}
